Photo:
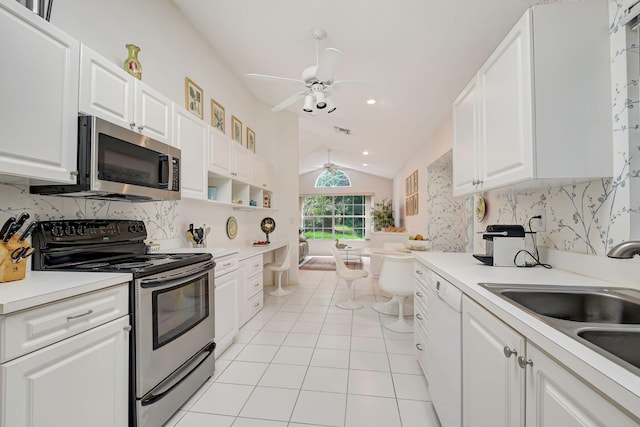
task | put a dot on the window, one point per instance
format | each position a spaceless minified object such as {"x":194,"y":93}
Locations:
{"x":334,"y":178}
{"x":334,"y":217}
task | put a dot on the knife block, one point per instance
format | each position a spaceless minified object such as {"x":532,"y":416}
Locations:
{"x":9,"y":270}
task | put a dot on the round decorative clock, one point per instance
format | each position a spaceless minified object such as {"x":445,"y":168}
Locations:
{"x":267,"y":225}
{"x":232,"y":227}
{"x":481,"y":209}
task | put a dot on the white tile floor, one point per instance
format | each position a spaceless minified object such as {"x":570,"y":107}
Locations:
{"x":303,"y":362}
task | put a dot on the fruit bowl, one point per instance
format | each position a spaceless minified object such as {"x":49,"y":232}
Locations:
{"x":417,"y":245}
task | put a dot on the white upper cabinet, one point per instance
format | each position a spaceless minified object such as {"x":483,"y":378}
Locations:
{"x":219,"y":153}
{"x":261,"y":173}
{"x":240,"y":163}
{"x":109,"y":92}
{"x":190,"y":135}
{"x":38,"y":97}
{"x":538,"y":110}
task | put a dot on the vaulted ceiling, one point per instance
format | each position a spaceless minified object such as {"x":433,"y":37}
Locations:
{"x":424,"y":51}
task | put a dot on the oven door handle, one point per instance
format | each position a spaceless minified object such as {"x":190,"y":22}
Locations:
{"x":163,"y":279}
{"x":178,"y":376}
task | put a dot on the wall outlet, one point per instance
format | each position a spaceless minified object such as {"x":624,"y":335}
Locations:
{"x":539,"y":225}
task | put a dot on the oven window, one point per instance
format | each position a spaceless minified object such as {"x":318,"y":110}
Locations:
{"x":178,"y":309}
{"x":123,"y":162}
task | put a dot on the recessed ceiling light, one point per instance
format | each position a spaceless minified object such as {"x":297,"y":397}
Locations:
{"x":366,"y":153}
{"x":364,"y":164}
{"x":371,"y":101}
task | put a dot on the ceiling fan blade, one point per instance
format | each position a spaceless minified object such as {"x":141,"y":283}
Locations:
{"x":328,"y":63}
{"x":359,"y":85}
{"x":274,"y":78}
{"x":289,"y":101}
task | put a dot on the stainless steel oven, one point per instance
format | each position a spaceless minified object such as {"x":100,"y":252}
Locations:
{"x":171,"y":303}
{"x":174,"y":317}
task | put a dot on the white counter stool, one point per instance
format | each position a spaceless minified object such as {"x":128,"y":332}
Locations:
{"x":391,"y":307}
{"x":349,"y":276}
{"x":278,"y":268}
{"x":396,"y":277}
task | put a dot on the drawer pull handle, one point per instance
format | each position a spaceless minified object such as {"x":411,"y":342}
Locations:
{"x":524,"y":362}
{"x":419,"y":347}
{"x":418,"y":316}
{"x":256,"y":285}
{"x":508,"y":352}
{"x":127,"y":328}
{"x":79,"y":315}
{"x":256,"y":304}
{"x":256,"y":265}
{"x":226,"y":264}
{"x":418,"y":293}
{"x":418,"y":272}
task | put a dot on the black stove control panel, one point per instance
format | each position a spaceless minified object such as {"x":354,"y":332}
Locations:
{"x":87,"y":232}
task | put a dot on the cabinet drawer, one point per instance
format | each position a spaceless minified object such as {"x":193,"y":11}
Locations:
{"x":29,"y":330}
{"x":254,"y":265}
{"x":252,"y":285}
{"x":421,"y":316}
{"x":225,"y":264}
{"x":254,"y":305}
{"x":422,"y":348}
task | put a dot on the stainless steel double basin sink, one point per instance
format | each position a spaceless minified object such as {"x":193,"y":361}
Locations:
{"x":604,"y":319}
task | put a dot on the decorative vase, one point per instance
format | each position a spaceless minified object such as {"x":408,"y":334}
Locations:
{"x":131,"y":64}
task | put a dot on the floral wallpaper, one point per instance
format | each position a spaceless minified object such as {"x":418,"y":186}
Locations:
{"x":446,"y":214}
{"x":159,"y":217}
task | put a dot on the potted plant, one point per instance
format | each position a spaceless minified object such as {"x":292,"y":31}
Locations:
{"x":382,"y":214}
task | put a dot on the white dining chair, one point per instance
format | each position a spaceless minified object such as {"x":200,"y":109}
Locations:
{"x":349,"y":276}
{"x":278,"y":268}
{"x":396,"y":277}
{"x":390,"y":307}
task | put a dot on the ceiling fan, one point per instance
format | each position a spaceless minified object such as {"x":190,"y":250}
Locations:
{"x":330,"y":167}
{"x":317,"y":81}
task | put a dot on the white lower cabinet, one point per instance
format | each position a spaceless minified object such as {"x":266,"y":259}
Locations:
{"x":226,"y":314}
{"x":492,"y":383}
{"x":251,"y":285}
{"x":79,"y":380}
{"x":508,"y":381}
{"x":420,"y":322}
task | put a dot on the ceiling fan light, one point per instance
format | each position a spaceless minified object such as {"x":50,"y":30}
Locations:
{"x":331,"y":107}
{"x":320,"y":100}
{"x":308,"y":104}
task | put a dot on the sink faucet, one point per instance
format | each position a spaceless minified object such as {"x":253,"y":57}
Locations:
{"x":625,"y":249}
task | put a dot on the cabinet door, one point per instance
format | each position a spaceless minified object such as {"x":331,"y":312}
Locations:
{"x":226,"y":314}
{"x":465,"y":134}
{"x":505,"y":126}
{"x":492,"y":382}
{"x":240,"y":169}
{"x":81,"y":381}
{"x":152,"y":113}
{"x":220,"y":153}
{"x":190,"y":135}
{"x":555,"y":397}
{"x":106,"y":90}
{"x":38,"y":97}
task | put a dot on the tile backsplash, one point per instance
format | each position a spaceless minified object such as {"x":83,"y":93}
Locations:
{"x":159,"y":217}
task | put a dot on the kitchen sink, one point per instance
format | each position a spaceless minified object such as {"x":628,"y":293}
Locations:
{"x":578,"y":305}
{"x":621,"y":343}
{"x":604,"y":319}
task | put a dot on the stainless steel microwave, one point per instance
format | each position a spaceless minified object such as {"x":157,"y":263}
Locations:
{"x":115,"y":163}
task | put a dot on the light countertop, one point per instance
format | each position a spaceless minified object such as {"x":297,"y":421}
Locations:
{"x":464,"y":271}
{"x":43,"y":287}
{"x":242,"y":252}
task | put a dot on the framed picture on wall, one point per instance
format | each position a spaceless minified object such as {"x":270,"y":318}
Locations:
{"x":236,"y":130}
{"x":251,"y":140}
{"x":193,"y":98}
{"x":217,"y":116}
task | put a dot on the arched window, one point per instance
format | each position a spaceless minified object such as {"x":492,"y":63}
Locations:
{"x":335,"y":178}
